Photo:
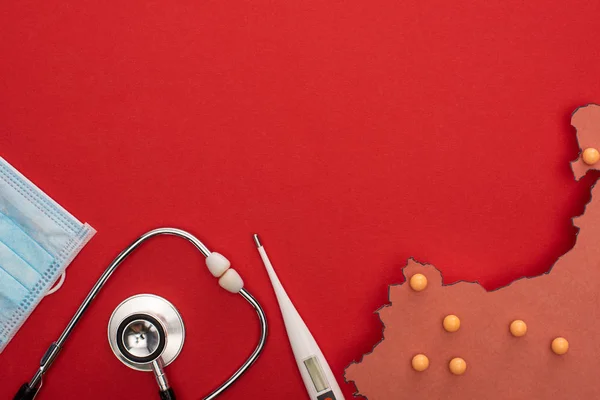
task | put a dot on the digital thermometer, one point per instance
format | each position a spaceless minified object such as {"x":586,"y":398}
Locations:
{"x":316,"y":374}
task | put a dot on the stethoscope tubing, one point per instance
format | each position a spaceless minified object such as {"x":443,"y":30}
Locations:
{"x":52,"y":352}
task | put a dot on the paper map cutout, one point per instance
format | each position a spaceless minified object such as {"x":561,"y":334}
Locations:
{"x":563,"y":302}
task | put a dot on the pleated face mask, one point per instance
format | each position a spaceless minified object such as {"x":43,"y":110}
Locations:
{"x":38,"y":239}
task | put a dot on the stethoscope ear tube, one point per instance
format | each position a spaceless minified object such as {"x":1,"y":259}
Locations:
{"x":26,"y":392}
{"x":167,"y":394}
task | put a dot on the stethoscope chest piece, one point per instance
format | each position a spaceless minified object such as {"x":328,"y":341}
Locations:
{"x":146,"y":329}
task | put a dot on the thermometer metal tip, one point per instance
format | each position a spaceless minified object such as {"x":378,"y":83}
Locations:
{"x":257,"y":240}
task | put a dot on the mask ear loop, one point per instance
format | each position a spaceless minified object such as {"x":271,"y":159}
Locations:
{"x":58,"y":284}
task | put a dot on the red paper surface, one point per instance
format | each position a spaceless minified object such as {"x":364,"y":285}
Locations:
{"x":350,"y":135}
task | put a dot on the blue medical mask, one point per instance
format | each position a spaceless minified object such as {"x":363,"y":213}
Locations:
{"x":38,"y":239}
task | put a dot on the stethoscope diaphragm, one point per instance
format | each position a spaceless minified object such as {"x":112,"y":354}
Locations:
{"x":144,"y":328}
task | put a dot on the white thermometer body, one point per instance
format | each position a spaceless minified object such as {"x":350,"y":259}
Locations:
{"x":316,"y":374}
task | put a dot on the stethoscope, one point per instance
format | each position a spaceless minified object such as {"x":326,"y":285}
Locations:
{"x":146,"y":332}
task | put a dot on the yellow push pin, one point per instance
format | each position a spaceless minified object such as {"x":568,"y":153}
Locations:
{"x":457,"y":366}
{"x":560,"y":346}
{"x":451,"y":323}
{"x":418,"y":282}
{"x":420,"y":362}
{"x":518,"y":328}
{"x":591,"y":156}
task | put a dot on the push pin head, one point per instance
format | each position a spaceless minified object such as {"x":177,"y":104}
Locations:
{"x":420,"y":362}
{"x":457,"y":366}
{"x":451,"y":323}
{"x":560,"y":346}
{"x":418,"y":282}
{"x":518,"y":328}
{"x":591,"y":156}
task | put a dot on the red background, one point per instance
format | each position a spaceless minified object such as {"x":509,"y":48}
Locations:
{"x":350,"y":135}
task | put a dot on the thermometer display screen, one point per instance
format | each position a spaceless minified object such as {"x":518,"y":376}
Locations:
{"x":316,"y":374}
{"x":326,"y":396}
